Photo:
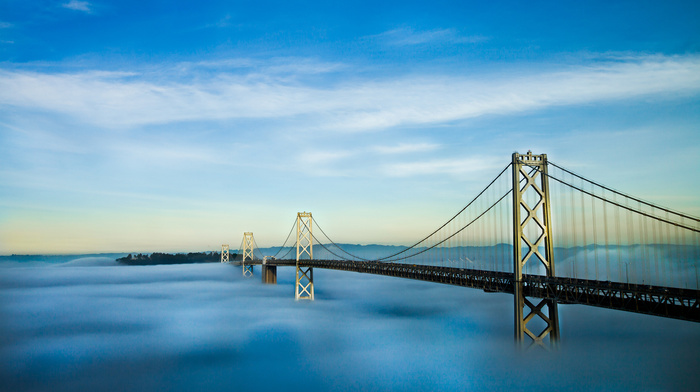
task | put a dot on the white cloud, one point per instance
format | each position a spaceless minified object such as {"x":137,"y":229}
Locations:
{"x":442,"y":166}
{"x":299,"y":66}
{"x":125,"y":100}
{"x":406,"y":36}
{"x":263,"y":69}
{"x":223,"y":22}
{"x":323,"y":157}
{"x":77,"y":5}
{"x":402,"y":148}
{"x":170,"y":154}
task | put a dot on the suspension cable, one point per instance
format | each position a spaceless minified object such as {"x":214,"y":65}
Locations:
{"x":422,"y":240}
{"x":462,"y":210}
{"x":458,"y":231}
{"x":256,"y":247}
{"x":323,"y":246}
{"x":626,"y":195}
{"x":285,"y":241}
{"x":451,"y":219}
{"x":683,"y":226}
{"x":337,"y":246}
{"x":291,"y":248}
{"x":240,"y":248}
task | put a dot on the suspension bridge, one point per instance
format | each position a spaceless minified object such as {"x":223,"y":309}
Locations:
{"x":609,"y":249}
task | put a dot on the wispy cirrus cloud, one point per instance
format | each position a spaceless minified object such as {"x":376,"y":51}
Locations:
{"x":354,"y":162}
{"x":406,"y":36}
{"x":276,"y":67}
{"x":454,"y":166}
{"x":116,"y":99}
{"x":403,"y":148}
{"x":221,"y":23}
{"x":324,"y":157}
{"x":77,"y":5}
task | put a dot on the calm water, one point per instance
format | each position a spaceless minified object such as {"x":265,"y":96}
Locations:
{"x":90,"y":324}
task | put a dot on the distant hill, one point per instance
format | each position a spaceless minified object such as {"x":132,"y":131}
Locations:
{"x":54,"y":259}
{"x":166,"y":258}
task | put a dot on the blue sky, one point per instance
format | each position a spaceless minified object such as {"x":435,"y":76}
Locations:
{"x":174,"y":126}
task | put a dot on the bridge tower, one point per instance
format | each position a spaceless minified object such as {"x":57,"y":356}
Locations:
{"x":305,"y":246}
{"x":531,"y":231}
{"x":247,"y":252}
{"x":224,"y":253}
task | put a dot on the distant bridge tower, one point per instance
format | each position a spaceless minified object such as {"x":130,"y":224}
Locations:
{"x":224,"y":253}
{"x":247,"y":252}
{"x":531,"y":230}
{"x":305,"y":246}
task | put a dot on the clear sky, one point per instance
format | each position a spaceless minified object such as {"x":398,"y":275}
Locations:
{"x":178,"y":125}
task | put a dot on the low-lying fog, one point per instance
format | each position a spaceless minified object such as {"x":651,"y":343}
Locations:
{"x":90,"y":324}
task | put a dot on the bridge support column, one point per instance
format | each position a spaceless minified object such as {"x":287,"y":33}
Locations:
{"x":269,"y":274}
{"x":304,"y":287}
{"x":531,"y":231}
{"x":247,"y":252}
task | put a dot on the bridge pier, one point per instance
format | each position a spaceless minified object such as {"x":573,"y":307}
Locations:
{"x":544,"y":310}
{"x":269,"y":274}
{"x":248,"y":271}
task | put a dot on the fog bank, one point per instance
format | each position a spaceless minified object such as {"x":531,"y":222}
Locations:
{"x":93,"y":325}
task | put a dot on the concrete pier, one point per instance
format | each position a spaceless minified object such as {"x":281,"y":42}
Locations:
{"x":269,"y":274}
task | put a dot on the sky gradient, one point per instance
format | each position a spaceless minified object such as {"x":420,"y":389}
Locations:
{"x":176,"y":126}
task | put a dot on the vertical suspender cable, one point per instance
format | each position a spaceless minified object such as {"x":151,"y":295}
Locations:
{"x":664,"y":242}
{"x":696,"y":259}
{"x":607,"y":243}
{"x":585,"y":232}
{"x":494,"y":242}
{"x":462,"y":240}
{"x":449,"y":243}
{"x":618,"y":231}
{"x":479,"y":231}
{"x":645,"y":244}
{"x":676,"y":261}
{"x":630,"y":239}
{"x":574,"y":225}
{"x":655,"y":250}
{"x":595,"y":236}
{"x":564,"y":227}
{"x":684,"y":262}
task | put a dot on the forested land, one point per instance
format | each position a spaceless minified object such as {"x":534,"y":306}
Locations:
{"x":167,"y":258}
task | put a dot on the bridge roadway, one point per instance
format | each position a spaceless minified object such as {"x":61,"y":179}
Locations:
{"x":669,"y":302}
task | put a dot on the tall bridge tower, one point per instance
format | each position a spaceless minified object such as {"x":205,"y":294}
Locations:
{"x":247,"y":252}
{"x":532,"y":230}
{"x":224,"y":253}
{"x":305,"y":246}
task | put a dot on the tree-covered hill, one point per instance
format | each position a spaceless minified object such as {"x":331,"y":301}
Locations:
{"x":166,"y":258}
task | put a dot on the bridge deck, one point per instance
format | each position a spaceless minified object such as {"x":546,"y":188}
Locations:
{"x":655,"y":300}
